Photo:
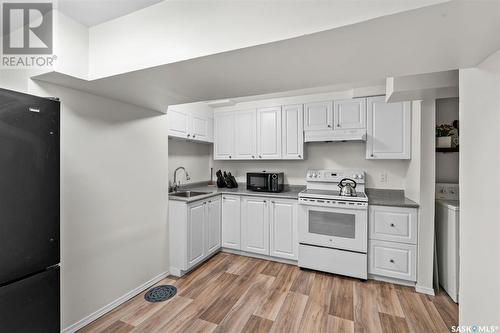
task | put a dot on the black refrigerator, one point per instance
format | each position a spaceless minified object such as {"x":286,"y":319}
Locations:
{"x":29,"y":213}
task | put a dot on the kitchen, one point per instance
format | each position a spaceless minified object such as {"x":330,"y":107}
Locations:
{"x":268,"y":213}
{"x":286,"y":177}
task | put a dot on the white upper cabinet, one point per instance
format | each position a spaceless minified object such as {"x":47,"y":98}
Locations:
{"x":349,"y":113}
{"x":185,"y":124}
{"x":199,"y":128}
{"x":245,"y":135}
{"x":224,"y":135}
{"x":388,"y":129}
{"x":178,"y":123}
{"x":269,"y":133}
{"x":318,"y":116}
{"x":255,"y":225}
{"x":293,"y":132}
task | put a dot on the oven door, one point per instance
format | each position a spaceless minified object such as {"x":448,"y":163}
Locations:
{"x":339,"y":228}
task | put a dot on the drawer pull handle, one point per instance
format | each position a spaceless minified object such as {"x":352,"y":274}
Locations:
{"x":391,"y":261}
{"x":392,"y":225}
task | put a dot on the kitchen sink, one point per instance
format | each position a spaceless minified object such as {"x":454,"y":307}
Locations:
{"x":188,"y":194}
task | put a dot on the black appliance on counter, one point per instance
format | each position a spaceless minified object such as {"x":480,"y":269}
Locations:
{"x":265,"y":181}
{"x":29,"y":213}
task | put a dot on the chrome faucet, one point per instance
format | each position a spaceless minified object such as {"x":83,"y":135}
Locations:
{"x":176,"y":186}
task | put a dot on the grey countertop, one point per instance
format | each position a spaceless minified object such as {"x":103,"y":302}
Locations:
{"x":383,"y":197}
{"x":290,"y":192}
{"x":378,"y":197}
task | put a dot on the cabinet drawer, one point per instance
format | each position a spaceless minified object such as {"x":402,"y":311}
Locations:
{"x":393,"y":224}
{"x":393,"y":260}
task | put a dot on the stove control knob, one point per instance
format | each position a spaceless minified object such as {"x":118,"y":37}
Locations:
{"x":360,"y":176}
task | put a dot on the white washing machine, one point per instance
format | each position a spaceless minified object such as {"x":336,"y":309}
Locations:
{"x":447,"y":237}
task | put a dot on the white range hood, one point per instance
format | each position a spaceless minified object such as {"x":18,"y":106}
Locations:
{"x":335,"y":135}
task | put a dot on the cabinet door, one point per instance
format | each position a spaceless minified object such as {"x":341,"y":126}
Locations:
{"x":388,"y":129}
{"x":283,"y":225}
{"x":245,"y":138}
{"x":293,"y":132}
{"x":255,"y":225}
{"x":178,"y":123}
{"x":199,"y":128}
{"x":269,"y":133}
{"x":195,"y":231}
{"x":223,"y":136}
{"x":350,"y":113}
{"x":231,"y":223}
{"x":213,"y":226}
{"x":318,"y":116}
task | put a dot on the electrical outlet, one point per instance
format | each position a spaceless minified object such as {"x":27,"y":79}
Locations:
{"x":383,"y":177}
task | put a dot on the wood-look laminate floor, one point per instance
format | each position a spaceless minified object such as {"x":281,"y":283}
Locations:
{"x":232,"y":293}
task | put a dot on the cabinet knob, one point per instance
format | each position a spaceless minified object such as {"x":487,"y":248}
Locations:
{"x":260,"y":156}
{"x":371,"y":155}
{"x":391,"y":261}
{"x":300,"y":156}
{"x":338,"y":125}
{"x":230,"y":156}
{"x":253,"y":156}
{"x":329,"y":125}
{"x":392,"y":225}
{"x":188,"y":135}
{"x":194,"y":136}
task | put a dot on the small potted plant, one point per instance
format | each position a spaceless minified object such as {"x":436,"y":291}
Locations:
{"x":444,"y":134}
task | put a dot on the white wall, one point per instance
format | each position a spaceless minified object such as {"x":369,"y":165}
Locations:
{"x":446,"y":163}
{"x":195,"y":157}
{"x":427,"y":196}
{"x":178,"y":30}
{"x":113,"y":200}
{"x":71,"y":46}
{"x":114,"y":164}
{"x":480,"y":202}
{"x":420,"y":187}
{"x":334,"y":155}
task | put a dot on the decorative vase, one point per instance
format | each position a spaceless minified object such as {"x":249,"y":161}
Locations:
{"x":443,"y":142}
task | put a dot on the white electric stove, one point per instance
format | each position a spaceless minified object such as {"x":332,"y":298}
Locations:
{"x":333,"y":228}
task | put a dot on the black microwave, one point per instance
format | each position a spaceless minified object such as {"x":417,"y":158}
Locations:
{"x":265,"y":181}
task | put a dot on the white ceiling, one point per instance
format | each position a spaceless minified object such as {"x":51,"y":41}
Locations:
{"x":93,"y":12}
{"x":457,"y":34}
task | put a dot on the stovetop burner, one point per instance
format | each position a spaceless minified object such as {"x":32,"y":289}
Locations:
{"x":332,"y":195}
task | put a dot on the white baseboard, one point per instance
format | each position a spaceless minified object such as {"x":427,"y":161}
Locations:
{"x":425,"y":290}
{"x":391,"y":280}
{"x":107,"y":308}
{"x":260,"y":256}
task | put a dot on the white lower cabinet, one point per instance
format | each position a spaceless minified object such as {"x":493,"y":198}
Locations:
{"x":392,"y":249}
{"x":194,"y":232}
{"x":255,"y":225}
{"x":268,"y":226}
{"x":231,"y":222}
{"x":283,"y":229}
{"x":213,"y":225}
{"x":395,"y":260}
